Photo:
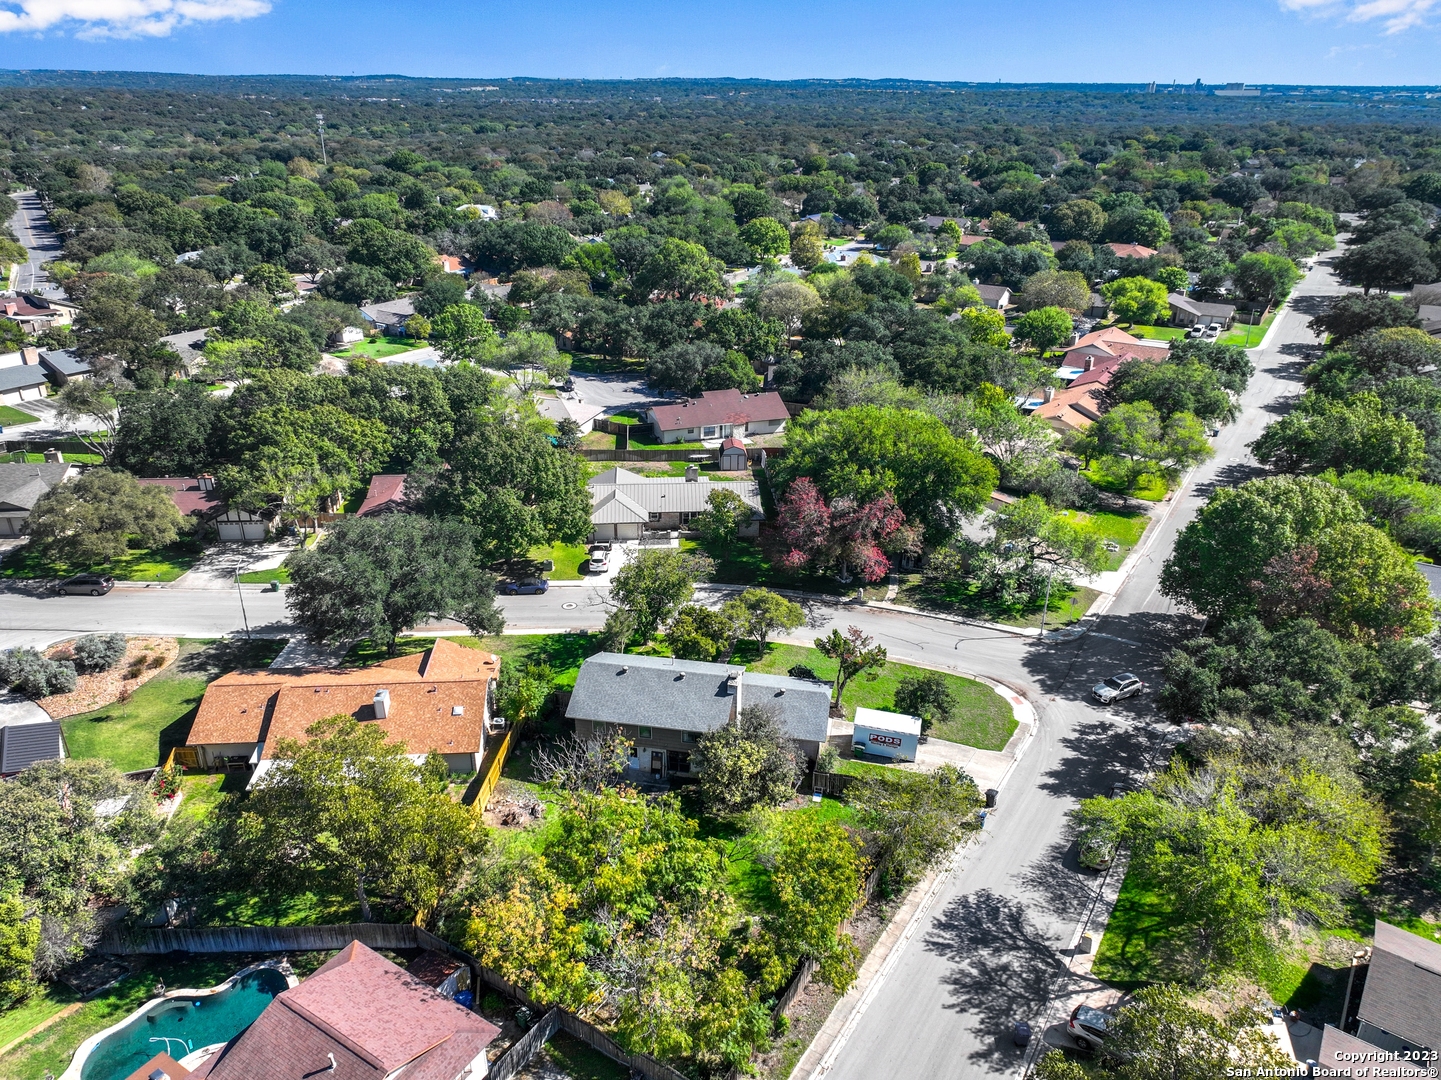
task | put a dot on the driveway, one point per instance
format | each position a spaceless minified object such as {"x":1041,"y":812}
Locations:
{"x":612,"y":392}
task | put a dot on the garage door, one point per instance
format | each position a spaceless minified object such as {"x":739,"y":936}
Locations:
{"x":245,"y":532}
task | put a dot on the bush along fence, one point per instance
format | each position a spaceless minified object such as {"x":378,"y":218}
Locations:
{"x":256,"y":939}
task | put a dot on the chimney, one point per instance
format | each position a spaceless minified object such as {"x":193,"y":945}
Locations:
{"x":1090,"y":362}
{"x":30,"y":356}
{"x":207,"y":482}
{"x":692,"y":474}
{"x":1050,"y":393}
{"x":382,"y":704}
{"x":55,"y":456}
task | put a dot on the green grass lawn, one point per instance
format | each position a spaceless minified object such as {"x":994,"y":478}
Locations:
{"x":1124,"y":530}
{"x":140,"y":564}
{"x":1248,"y":337}
{"x":20,"y":457}
{"x":379,"y":348}
{"x":597,"y":440}
{"x":1155,"y":333}
{"x":568,"y":560}
{"x":563,"y":652}
{"x":985,"y":719}
{"x":606,"y":365}
{"x":10,"y":415}
{"x":1149,"y":488}
{"x":962,"y":598}
{"x":265,"y":577}
{"x":744,"y":563}
{"x":139,"y":733}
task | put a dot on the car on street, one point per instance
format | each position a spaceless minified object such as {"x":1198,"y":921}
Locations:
{"x":1087,"y":1026}
{"x":525,"y":586}
{"x":599,"y":558}
{"x":1117,"y":687}
{"x":86,"y":585}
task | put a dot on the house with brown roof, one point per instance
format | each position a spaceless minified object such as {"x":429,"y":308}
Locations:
{"x":385,"y":496}
{"x":1110,"y":344}
{"x":1072,"y":409}
{"x":36,"y":314}
{"x":359,"y":1017}
{"x":438,"y":700}
{"x":196,"y":497}
{"x":718,"y":414}
{"x":1132,"y":251}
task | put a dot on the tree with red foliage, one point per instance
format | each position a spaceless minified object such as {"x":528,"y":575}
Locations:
{"x":844,"y":536}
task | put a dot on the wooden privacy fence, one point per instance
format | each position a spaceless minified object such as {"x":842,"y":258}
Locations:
{"x":701,"y":456}
{"x":831,"y":783}
{"x":477,"y":796}
{"x":525,"y":1048}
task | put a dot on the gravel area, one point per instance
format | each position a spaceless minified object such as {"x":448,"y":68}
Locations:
{"x":145,"y":658}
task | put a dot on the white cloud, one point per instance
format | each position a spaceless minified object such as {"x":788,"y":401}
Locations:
{"x":1395,"y":15}
{"x":120,"y":18}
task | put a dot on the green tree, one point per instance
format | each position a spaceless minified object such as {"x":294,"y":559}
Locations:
{"x":1395,"y":259}
{"x":522,"y":692}
{"x":868,"y":452}
{"x":654,"y":585}
{"x":701,"y":633}
{"x":766,"y":237}
{"x":763,"y":612}
{"x":347,"y":807}
{"x":1240,"y":530}
{"x":789,"y":302}
{"x":813,"y":886}
{"x":114,"y":323}
{"x":531,"y":360}
{"x":680,"y":270}
{"x":808,"y":246}
{"x":1190,"y":387}
{"x":377,"y":577}
{"x":1136,"y":299}
{"x":1265,"y":279}
{"x":1044,"y":328}
{"x":271,"y":280}
{"x":1064,"y":289}
{"x":1422,"y":804}
{"x":926,"y":694}
{"x":1031,"y":534}
{"x":461,"y":332}
{"x":1133,"y":441}
{"x":1358,"y":433}
{"x":19,"y":937}
{"x":748,"y":762}
{"x":93,"y":519}
{"x":1373,"y":587}
{"x":914,"y":819}
{"x":1076,"y":219}
{"x":1174,"y":278}
{"x":725,"y":514}
{"x":853,"y":652}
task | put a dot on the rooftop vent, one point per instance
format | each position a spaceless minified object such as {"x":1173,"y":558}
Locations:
{"x":457,"y":710}
{"x":382,"y":704}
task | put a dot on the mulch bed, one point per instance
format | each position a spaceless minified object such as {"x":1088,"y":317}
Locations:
{"x":145,"y":658}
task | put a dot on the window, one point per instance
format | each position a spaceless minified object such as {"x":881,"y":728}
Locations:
{"x":689,"y":736}
{"x":655,"y":517}
{"x":708,"y":432}
{"x":687,"y":515}
{"x":644,"y":734}
{"x":677,"y":761}
{"x":632,"y":752}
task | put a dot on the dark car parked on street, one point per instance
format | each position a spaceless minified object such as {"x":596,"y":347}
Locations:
{"x":525,"y":586}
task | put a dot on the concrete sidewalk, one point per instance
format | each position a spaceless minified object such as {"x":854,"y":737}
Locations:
{"x":216,"y":569}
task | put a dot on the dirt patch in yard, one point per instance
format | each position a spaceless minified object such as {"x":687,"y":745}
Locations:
{"x":145,"y":658}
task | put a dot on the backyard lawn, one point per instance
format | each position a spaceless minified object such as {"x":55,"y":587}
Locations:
{"x":140,"y":564}
{"x":138,"y":733}
{"x":985,"y":720}
{"x":20,"y":457}
{"x":10,"y":415}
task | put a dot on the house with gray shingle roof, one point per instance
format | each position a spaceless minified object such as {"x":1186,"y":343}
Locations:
{"x":1401,"y":1004}
{"x":625,"y":504}
{"x":664,"y":705}
{"x":20,"y":489}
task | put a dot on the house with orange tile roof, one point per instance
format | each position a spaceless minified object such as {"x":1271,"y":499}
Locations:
{"x":1110,"y":344}
{"x":1072,"y":409}
{"x":438,"y":700}
{"x":1132,"y":251}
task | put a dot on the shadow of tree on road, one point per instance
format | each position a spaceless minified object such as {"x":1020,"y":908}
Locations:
{"x":1058,"y":883}
{"x":1003,"y":970}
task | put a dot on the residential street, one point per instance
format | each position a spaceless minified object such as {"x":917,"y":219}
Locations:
{"x":994,"y":946}
{"x":33,"y":231}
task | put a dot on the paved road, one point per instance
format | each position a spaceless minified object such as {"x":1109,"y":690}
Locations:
{"x":993,"y":947}
{"x":32,"y":229}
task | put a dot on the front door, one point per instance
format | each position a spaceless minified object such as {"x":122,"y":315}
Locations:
{"x":657,"y":763}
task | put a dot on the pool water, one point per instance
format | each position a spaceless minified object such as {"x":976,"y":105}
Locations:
{"x":188,"y":1022}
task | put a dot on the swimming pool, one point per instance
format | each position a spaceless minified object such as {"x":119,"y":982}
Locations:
{"x":179,"y":1023}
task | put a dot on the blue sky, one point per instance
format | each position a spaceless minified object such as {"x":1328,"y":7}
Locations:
{"x":1289,"y":41}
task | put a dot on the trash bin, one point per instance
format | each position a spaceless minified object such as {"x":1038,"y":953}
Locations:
{"x":991,"y":794}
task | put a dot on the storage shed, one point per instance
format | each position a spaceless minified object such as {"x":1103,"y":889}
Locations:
{"x":887,"y":734}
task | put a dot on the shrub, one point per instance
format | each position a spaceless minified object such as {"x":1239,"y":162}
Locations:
{"x":800,"y":671}
{"x":29,"y":673}
{"x":927,"y":695}
{"x":97,"y":652}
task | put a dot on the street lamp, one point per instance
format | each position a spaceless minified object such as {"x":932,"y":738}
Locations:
{"x":241,"y":593}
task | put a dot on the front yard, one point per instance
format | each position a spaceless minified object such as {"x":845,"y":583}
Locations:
{"x":12,"y":416}
{"x":379,"y":348}
{"x":139,"y":564}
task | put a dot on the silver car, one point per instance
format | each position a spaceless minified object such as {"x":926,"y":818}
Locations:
{"x":1117,"y":687}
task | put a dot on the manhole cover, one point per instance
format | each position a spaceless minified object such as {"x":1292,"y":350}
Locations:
{"x":570,"y":605}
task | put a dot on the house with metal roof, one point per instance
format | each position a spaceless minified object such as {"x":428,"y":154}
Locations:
{"x":625,"y":504}
{"x":27,"y":735}
{"x":664,"y":705}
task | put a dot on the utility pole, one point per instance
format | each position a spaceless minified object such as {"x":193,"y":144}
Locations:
{"x":241,"y":593}
{"x":320,"y":123}
{"x":1047,"y":605}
